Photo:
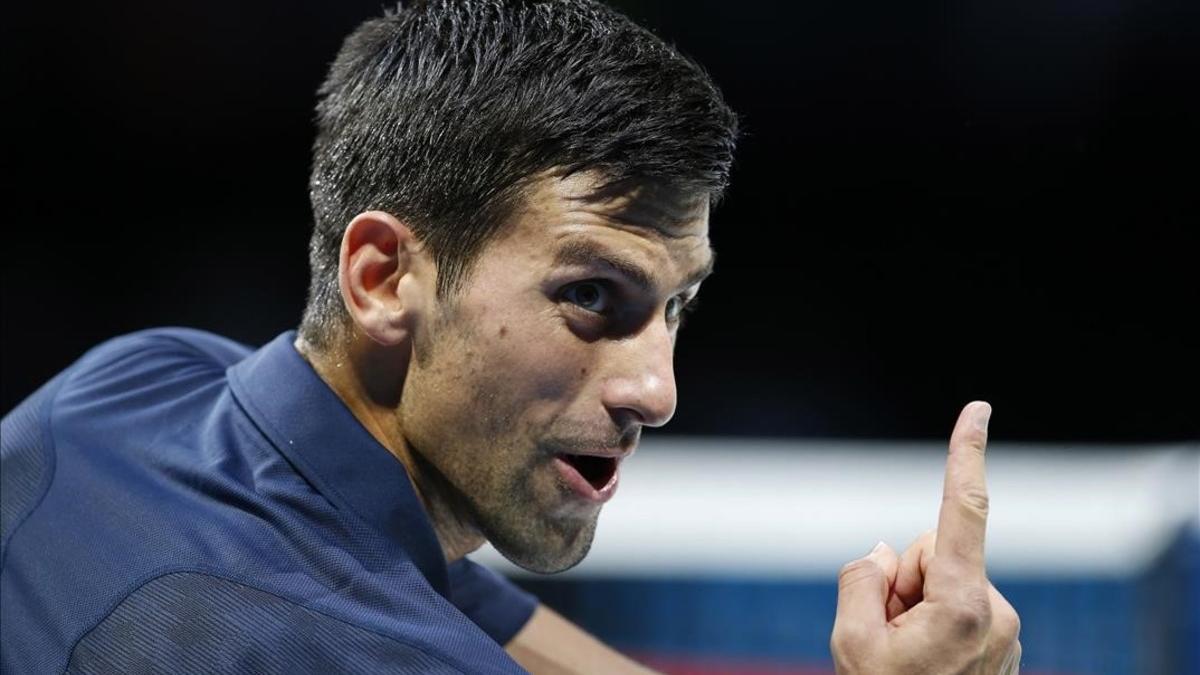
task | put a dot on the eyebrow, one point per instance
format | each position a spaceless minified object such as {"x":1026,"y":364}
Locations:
{"x":583,"y":253}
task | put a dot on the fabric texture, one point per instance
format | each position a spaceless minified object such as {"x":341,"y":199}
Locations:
{"x":174,"y":502}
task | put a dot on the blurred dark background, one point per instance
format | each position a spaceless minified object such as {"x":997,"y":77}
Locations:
{"x":932,"y":203}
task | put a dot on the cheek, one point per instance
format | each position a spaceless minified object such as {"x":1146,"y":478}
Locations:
{"x":537,"y":362}
{"x":502,"y":378}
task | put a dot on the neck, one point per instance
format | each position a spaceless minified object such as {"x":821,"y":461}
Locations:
{"x":360,"y":378}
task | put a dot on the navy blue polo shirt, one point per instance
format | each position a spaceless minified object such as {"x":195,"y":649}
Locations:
{"x":173,"y":502}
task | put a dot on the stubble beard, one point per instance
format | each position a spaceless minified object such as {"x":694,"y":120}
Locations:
{"x":538,"y":542}
{"x":531,"y":534}
{"x":494,"y":490}
{"x":510,"y":494}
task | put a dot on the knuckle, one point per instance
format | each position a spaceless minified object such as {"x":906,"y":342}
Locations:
{"x":971,"y":615}
{"x":1006,"y":625}
{"x":974,"y":500}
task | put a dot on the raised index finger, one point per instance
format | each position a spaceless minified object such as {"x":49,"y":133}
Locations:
{"x":963,"y":518}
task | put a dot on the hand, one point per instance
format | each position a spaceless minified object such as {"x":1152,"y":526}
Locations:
{"x":932,"y":610}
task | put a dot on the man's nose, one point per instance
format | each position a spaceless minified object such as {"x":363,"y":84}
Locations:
{"x":642,"y":380}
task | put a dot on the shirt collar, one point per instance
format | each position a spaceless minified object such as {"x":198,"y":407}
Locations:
{"x":306,"y":421}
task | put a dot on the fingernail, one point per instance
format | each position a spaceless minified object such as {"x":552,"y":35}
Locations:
{"x":983,"y":413}
{"x":878,"y":548}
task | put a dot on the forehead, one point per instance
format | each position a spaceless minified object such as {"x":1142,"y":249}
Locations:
{"x":661,"y":228}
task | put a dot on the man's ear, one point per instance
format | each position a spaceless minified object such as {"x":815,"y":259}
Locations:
{"x":375,"y":269}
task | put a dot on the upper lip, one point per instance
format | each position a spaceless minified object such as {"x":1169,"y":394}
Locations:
{"x":614,"y":453}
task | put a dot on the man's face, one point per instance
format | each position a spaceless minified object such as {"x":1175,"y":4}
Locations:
{"x":532,"y":384}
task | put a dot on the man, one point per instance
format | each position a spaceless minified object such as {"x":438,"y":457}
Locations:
{"x":511,"y":207}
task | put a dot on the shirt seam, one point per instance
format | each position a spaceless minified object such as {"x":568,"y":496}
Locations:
{"x":168,"y":571}
{"x":50,"y":453}
{"x":46,"y":422}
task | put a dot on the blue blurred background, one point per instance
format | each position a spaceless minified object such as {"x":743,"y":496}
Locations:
{"x":932,"y":204}
{"x":722,"y":555}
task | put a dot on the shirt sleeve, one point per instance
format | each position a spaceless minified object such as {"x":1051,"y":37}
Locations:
{"x":494,"y":603}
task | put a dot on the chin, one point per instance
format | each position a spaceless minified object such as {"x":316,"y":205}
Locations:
{"x":546,"y":550}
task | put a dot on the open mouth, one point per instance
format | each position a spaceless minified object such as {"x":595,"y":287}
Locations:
{"x":597,"y":471}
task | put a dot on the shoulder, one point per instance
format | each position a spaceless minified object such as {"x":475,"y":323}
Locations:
{"x":156,"y":347}
{"x":158,"y":354}
{"x":149,"y":366}
{"x":100,"y":390}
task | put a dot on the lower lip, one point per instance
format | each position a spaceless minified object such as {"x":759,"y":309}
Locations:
{"x":580,"y":485}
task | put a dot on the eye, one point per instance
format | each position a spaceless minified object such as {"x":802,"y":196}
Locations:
{"x":589,"y":295}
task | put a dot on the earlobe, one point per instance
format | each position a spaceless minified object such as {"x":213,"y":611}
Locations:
{"x":376,"y":259}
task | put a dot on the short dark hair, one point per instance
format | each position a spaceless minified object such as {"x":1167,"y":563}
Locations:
{"x":440,"y":111}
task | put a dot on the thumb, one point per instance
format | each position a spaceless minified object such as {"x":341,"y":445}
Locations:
{"x":862,"y":595}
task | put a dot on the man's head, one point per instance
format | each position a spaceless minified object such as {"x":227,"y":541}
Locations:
{"x":511,"y":203}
